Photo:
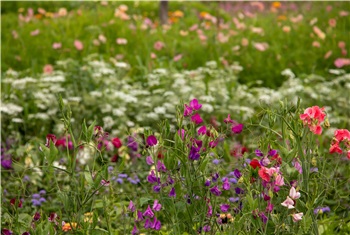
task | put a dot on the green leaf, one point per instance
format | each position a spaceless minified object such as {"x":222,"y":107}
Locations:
{"x":88,"y":176}
{"x":53,"y":153}
{"x":144,"y":200}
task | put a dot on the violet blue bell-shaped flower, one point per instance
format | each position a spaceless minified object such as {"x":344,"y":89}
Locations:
{"x":215,"y":190}
{"x":263,"y":217}
{"x":233,"y":199}
{"x":151,"y":140}
{"x":172,"y":193}
{"x":148,"y":212}
{"x":239,"y":190}
{"x":215,"y":177}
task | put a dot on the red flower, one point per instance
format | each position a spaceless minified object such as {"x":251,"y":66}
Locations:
{"x":277,"y":158}
{"x":264,"y":174}
{"x":116,"y":142}
{"x":255,"y":163}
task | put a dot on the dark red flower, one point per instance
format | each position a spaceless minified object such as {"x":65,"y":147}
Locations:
{"x":255,"y":163}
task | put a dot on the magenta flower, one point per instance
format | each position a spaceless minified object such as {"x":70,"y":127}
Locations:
{"x":156,"y":188}
{"x":212,"y":144}
{"x":195,"y":105}
{"x":148,"y":224}
{"x":226,"y":185}
{"x":135,"y":231}
{"x":151,"y":140}
{"x":215,"y":190}
{"x":258,"y":153}
{"x":50,"y":138}
{"x":161,"y":167}
{"x":263,"y":217}
{"x":139,"y":216}
{"x":202,"y":130}
{"x":157,"y":206}
{"x":224,"y":207}
{"x":116,"y":142}
{"x":152,"y":178}
{"x":210,"y":211}
{"x":181,"y":133}
{"x":156,"y":225}
{"x":6,"y":231}
{"x":131,"y":206}
{"x":237,"y":128}
{"x":228,"y":119}
{"x":196,"y":118}
{"x":206,"y":228}
{"x":187,"y":110}
{"x":269,"y":207}
{"x":297,"y":166}
{"x":148,"y":212}
{"x":172,"y":193}
{"x":237,"y":173}
{"x":36,"y":216}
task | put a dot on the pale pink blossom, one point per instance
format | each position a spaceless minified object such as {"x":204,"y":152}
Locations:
{"x":259,"y":5}
{"x":319,"y":32}
{"x":102,"y":38}
{"x":343,"y":13}
{"x":316,"y":44}
{"x":62,"y":12}
{"x":289,"y":203}
{"x":78,"y":45}
{"x":344,"y":52}
{"x":341,"y":44}
{"x":245,"y":42}
{"x":328,"y":54}
{"x":193,"y":27}
{"x":158,"y":45}
{"x":41,"y":11}
{"x":14,"y":34}
{"x":297,"y":19}
{"x":286,"y":29}
{"x":104,"y":3}
{"x":119,"y":56}
{"x":341,"y":62}
{"x":261,"y":46}
{"x":279,"y":181}
{"x":35,"y":32}
{"x":177,"y":57}
{"x":48,"y":69}
{"x":121,"y":41}
{"x":153,"y":55}
{"x":293,"y":193}
{"x":96,"y":42}
{"x":297,"y":217}
{"x":257,"y":30}
{"x":332,"y":22}
{"x":222,"y":38}
{"x":56,"y":45}
{"x":313,"y":21}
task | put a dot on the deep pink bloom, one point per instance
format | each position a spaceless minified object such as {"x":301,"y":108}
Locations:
{"x":187,"y":110}
{"x":161,"y":167}
{"x":195,"y":105}
{"x":78,"y":45}
{"x":226,"y":185}
{"x":313,"y":117}
{"x":156,"y":225}
{"x":224,"y":207}
{"x":148,"y":212}
{"x":151,"y":140}
{"x":116,"y":142}
{"x":172,"y":193}
{"x":135,"y":231}
{"x":237,"y":128}
{"x":215,"y":190}
{"x":228,"y":119}
{"x":202,"y":130}
{"x":196,"y":118}
{"x":269,"y":207}
{"x":181,"y":133}
{"x":212,"y":144}
{"x":157,"y":206}
{"x":149,"y":160}
{"x":50,"y":138}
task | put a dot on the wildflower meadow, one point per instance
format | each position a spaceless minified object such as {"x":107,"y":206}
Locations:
{"x":175,"y":117}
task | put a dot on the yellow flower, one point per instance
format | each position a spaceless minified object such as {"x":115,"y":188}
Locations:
{"x":68,"y":226}
{"x":276,"y":4}
{"x":178,"y":14}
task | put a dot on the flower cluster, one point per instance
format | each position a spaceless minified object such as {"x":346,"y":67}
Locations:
{"x":340,"y":135}
{"x":313,"y":117}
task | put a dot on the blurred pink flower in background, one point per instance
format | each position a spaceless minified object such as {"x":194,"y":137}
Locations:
{"x":257,"y":30}
{"x":244,"y":42}
{"x":332,"y":22}
{"x":286,"y":29}
{"x":313,"y":21}
{"x":78,"y":45}
{"x":56,"y":45}
{"x":14,"y":34}
{"x":48,"y":69}
{"x":35,"y":32}
{"x":341,"y":62}
{"x":297,"y":19}
{"x":193,"y":27}
{"x":158,"y":45}
{"x":328,"y":54}
{"x":343,"y":13}
{"x":329,"y":8}
{"x":119,"y":56}
{"x":121,"y":41}
{"x":319,"y":32}
{"x":153,"y":55}
{"x":41,"y":11}
{"x":177,"y":57}
{"x":222,"y":38}
{"x":102,"y":38}
{"x":62,"y":12}
{"x":341,"y":45}
{"x":261,"y":46}
{"x":96,"y":42}
{"x":316,"y":44}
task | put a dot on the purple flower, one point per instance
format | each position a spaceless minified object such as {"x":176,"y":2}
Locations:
{"x":194,"y":153}
{"x":26,"y":233}
{"x":123,"y":176}
{"x":139,"y":216}
{"x":132,"y":144}
{"x":181,"y":133}
{"x":36,"y":202}
{"x":216,"y":161}
{"x":172,"y":193}
{"x":148,"y":212}
{"x":313,"y":169}
{"x":148,"y":224}
{"x":263,"y":217}
{"x":272,"y":152}
{"x":151,"y":140}
{"x":264,"y":161}
{"x":152,"y":178}
{"x":196,"y":118}
{"x":215,"y":177}
{"x":210,"y":211}
{"x":195,"y":105}
{"x":258,"y":153}
{"x":239,"y":190}
{"x":224,"y":207}
{"x":36,"y":196}
{"x":156,"y":225}
{"x":212,"y":144}
{"x":161,"y":167}
{"x":320,"y":210}
{"x":170,"y":180}
{"x":110,"y":169}
{"x":237,"y":128}
{"x":207,"y":183}
{"x":41,"y":200}
{"x":206,"y":228}
{"x":202,"y":130}
{"x":131,"y":206}
{"x":297,"y":166}
{"x":135,"y":231}
{"x":215,"y":190}
{"x":156,"y":188}
{"x":157,"y":206}
{"x":226,"y":185}
{"x":149,"y":160}
{"x":6,"y":231}
{"x":233,"y":180}
{"x":237,"y":173}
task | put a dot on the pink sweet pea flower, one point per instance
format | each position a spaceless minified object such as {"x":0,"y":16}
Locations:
{"x":196,"y":118}
{"x":195,"y":105}
{"x":202,"y":130}
{"x":293,"y":193}
{"x":56,"y":45}
{"x":297,"y":217}
{"x":121,"y":41}
{"x":158,"y":45}
{"x":177,"y":57}
{"x":341,"y":62}
{"x":35,"y":32}
{"x":279,"y":181}
{"x":289,"y":203}
{"x":78,"y":45}
{"x":237,"y":128}
{"x":313,"y":117}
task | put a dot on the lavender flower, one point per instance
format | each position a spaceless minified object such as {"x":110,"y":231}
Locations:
{"x":172,"y":193}
{"x":224,"y":207}
{"x":215,"y":190}
{"x":148,"y":212}
{"x":149,"y":160}
{"x":131,"y":206}
{"x":157,"y":206}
